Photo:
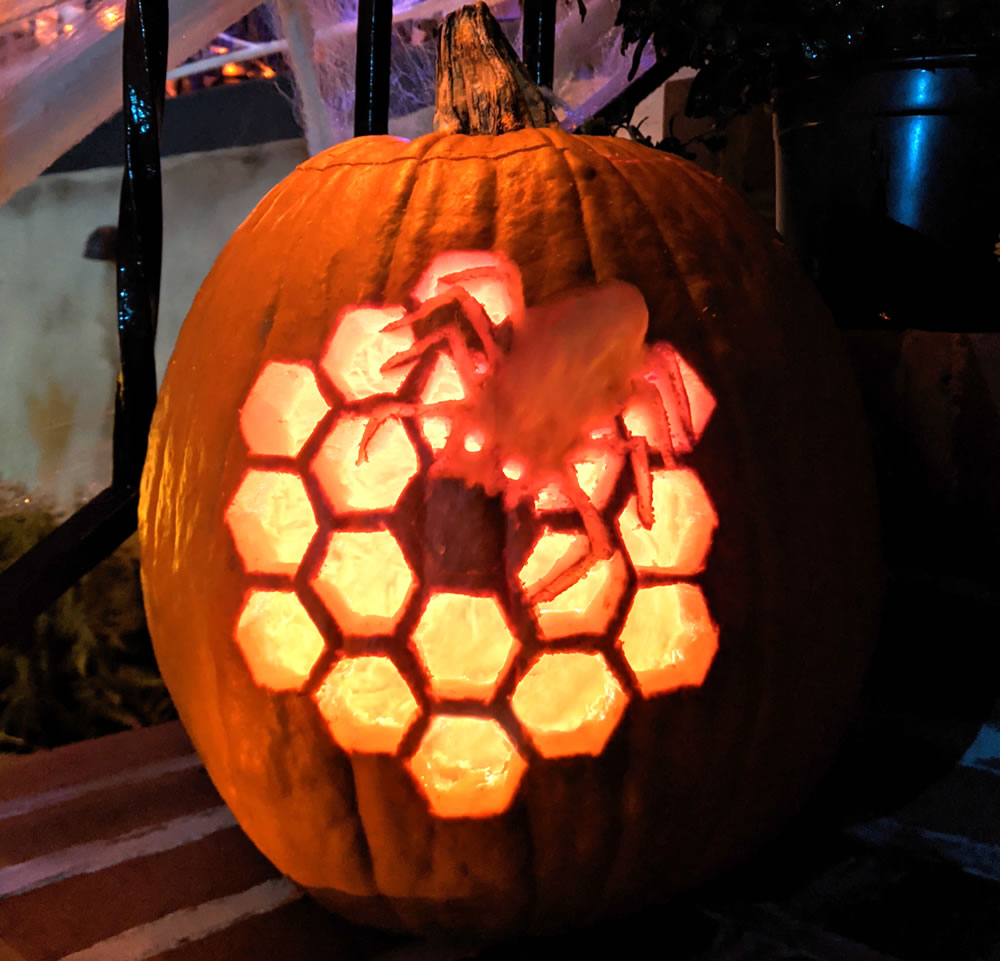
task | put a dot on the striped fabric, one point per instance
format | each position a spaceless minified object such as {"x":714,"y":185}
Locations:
{"x":120,"y":849}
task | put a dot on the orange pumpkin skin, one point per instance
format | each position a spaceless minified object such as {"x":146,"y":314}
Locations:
{"x":689,"y":782}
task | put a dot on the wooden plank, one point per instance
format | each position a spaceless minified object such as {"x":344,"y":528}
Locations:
{"x":298,"y":930}
{"x":88,"y":762}
{"x":68,"y":915}
{"x":96,"y":816}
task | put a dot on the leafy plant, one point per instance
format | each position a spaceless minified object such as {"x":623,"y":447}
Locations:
{"x":742,"y":49}
{"x":85,"y":667}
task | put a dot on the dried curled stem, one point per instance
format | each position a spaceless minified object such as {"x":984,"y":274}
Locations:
{"x":482,"y":87}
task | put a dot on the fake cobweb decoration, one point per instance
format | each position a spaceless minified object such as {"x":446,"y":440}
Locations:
{"x":589,"y":67}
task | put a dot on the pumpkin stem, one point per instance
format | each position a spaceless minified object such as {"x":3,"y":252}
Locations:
{"x":482,"y":87}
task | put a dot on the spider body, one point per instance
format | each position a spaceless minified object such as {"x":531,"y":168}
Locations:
{"x":553,"y":396}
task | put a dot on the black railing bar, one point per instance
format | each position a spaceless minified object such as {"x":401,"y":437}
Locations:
{"x":39,"y":576}
{"x":371,"y":74}
{"x":44,"y":572}
{"x":538,"y":44}
{"x":140,"y":234}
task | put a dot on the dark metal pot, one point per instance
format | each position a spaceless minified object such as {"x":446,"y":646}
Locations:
{"x":888,"y":188}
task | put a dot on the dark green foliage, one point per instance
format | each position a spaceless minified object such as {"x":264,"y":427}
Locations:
{"x":85,"y":667}
{"x":743,"y":48}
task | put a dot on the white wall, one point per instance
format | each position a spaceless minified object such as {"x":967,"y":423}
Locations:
{"x":58,"y":341}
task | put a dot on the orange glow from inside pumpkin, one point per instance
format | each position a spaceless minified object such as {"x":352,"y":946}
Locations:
{"x":282,"y":410}
{"x":443,"y":384}
{"x":367,"y":704}
{"x":360,"y":346}
{"x":364,"y":582}
{"x":643,"y":422}
{"x":669,"y":639}
{"x":569,"y":703}
{"x":586,"y":606}
{"x":465,"y":645}
{"x":596,"y":473}
{"x":466,"y":767}
{"x":390,"y":462}
{"x":493,"y":293}
{"x":272,"y":521}
{"x":279,"y":641}
{"x":683,"y":523}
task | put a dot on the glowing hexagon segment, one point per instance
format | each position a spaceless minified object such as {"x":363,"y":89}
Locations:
{"x":596,"y":472}
{"x":465,"y":645}
{"x":588,"y":604}
{"x":443,"y":384}
{"x":359,"y":347}
{"x":466,"y":767}
{"x":569,"y":702}
{"x":665,"y":369}
{"x":669,"y":639}
{"x":490,"y":279}
{"x":376,"y":482}
{"x":272,"y":521}
{"x":367,"y":705}
{"x":364,"y":581}
{"x":282,"y":409}
{"x":278,"y":640}
{"x":683,"y":523}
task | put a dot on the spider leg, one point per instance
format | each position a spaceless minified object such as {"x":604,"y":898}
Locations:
{"x":680,"y":394}
{"x":397,"y":409}
{"x":503,"y":272}
{"x":448,"y":334}
{"x":473,"y":312}
{"x":637,"y":449}
{"x":600,"y":546}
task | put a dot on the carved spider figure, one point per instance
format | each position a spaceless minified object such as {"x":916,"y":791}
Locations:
{"x":533,"y":407}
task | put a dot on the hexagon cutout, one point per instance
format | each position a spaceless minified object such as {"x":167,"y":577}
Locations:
{"x":669,"y":639}
{"x":569,"y":702}
{"x":282,"y":410}
{"x":466,"y":767}
{"x":492,"y":280}
{"x":464,"y":645}
{"x":367,"y":705}
{"x":375,"y":482}
{"x":360,"y":346}
{"x":587,"y":605}
{"x":596,"y":472}
{"x":272,"y":521}
{"x":444,"y":383}
{"x":666,"y":368}
{"x":364,"y":581}
{"x":278,"y":640}
{"x":684,"y":521}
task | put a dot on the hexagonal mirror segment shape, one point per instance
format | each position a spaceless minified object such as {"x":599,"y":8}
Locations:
{"x":364,"y":581}
{"x":282,"y":410}
{"x":464,"y":645}
{"x":668,"y":372}
{"x":360,"y":345}
{"x":489,"y":278}
{"x":669,"y":639}
{"x":588,"y":604}
{"x":367,"y":704}
{"x":569,"y":702}
{"x":684,"y":521}
{"x":272,"y":521}
{"x":279,"y":641}
{"x":596,"y":472}
{"x":467,"y":767}
{"x":370,"y":483}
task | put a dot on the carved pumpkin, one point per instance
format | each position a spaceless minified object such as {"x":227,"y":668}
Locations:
{"x":507,"y":529}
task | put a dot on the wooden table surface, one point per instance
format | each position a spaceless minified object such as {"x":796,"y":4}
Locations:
{"x":119,"y":849}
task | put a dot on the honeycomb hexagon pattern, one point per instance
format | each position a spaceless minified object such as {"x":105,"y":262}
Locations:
{"x":464,"y":659}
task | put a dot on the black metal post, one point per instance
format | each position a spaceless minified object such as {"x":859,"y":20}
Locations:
{"x":53,"y":565}
{"x":539,"y":45}
{"x":371,"y":97}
